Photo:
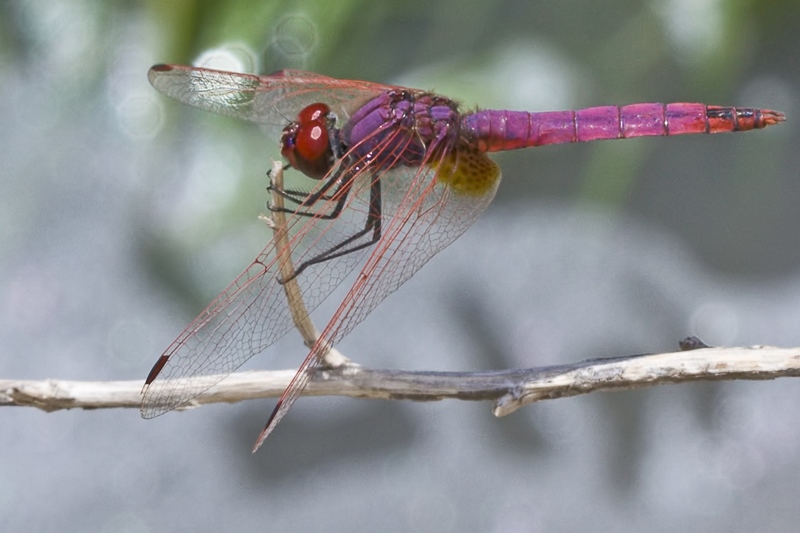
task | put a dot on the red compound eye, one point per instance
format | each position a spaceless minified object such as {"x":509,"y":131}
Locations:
{"x":306,"y":142}
{"x":311,"y":141}
{"x":310,"y":113}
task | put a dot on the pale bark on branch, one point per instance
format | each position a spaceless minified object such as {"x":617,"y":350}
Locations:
{"x":509,"y":389}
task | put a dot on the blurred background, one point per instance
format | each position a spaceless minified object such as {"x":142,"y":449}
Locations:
{"x":122,"y":213}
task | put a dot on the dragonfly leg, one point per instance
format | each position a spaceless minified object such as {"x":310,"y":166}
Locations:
{"x":372,"y":225}
{"x":305,"y":199}
{"x":300,"y":198}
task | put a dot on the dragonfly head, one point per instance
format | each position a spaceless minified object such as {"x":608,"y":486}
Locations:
{"x":306,"y":142}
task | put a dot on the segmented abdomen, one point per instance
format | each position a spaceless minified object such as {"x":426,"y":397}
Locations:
{"x":493,"y":131}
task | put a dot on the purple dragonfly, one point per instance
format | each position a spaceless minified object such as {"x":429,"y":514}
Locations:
{"x":397,"y":175}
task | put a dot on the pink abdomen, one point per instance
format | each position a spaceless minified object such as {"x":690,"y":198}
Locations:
{"x":493,"y":131}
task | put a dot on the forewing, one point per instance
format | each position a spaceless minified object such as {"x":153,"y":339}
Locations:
{"x":273,"y":100}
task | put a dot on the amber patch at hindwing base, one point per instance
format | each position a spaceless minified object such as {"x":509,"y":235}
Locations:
{"x":467,"y":171}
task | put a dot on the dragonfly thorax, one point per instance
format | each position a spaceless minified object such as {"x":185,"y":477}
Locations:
{"x":402,"y":128}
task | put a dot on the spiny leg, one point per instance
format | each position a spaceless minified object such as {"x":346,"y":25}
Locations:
{"x":372,"y":224}
{"x":305,"y":199}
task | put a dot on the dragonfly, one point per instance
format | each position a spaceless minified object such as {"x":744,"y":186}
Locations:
{"x":392,"y":176}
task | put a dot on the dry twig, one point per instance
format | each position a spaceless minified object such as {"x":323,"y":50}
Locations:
{"x":302,"y":320}
{"x":509,"y":389}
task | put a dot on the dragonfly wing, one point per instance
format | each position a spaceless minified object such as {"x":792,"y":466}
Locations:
{"x":252,"y":313}
{"x":218,"y":341}
{"x":272,"y":100}
{"x":430,"y":207}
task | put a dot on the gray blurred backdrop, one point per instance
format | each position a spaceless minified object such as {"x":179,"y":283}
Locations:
{"x":123,"y":213}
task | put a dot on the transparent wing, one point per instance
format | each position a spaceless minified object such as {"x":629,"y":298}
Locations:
{"x":252,"y":313}
{"x":432,"y":206}
{"x":273,"y":100}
